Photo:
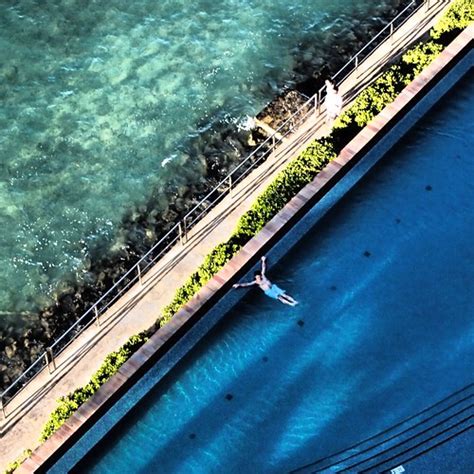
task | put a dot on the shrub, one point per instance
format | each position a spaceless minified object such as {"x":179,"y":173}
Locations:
{"x":457,"y":17}
{"x":285,"y":185}
{"x":213,"y":262}
{"x":419,"y":57}
{"x":371,"y":101}
{"x":70,"y":403}
{"x":13,"y":466}
{"x":216,"y":260}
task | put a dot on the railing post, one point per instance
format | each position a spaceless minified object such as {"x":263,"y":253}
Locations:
{"x":139,"y":274}
{"x":96,"y":312}
{"x":391,"y":32}
{"x":183,"y":232}
{"x":427,"y":3}
{"x":180,"y":230}
{"x":230,"y":185}
{"x":320,"y":97}
{"x":50,"y":359}
{"x":316,"y":104}
{"x":2,"y":407}
{"x":356,"y":62}
{"x":273,"y":142}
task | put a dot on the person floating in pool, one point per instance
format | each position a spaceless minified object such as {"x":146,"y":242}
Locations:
{"x":271,"y":290}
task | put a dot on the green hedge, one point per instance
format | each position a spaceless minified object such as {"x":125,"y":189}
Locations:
{"x":417,"y":58}
{"x":70,"y":403}
{"x":306,"y":166}
{"x":13,"y":466}
{"x":372,"y":100}
{"x":287,"y":183}
{"x":458,"y":17}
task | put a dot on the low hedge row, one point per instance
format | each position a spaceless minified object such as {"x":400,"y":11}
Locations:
{"x":307,"y":165}
{"x":70,"y":403}
{"x":372,"y":100}
{"x":13,"y":466}
{"x":459,"y":16}
{"x":288,"y":182}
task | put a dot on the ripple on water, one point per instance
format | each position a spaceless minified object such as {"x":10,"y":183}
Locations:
{"x":96,"y":100}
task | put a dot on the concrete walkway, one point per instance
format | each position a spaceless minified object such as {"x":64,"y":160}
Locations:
{"x":29,"y":410}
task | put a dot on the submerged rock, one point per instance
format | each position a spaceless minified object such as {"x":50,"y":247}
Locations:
{"x":200,"y":165}
{"x":10,"y":73}
{"x":10,"y":351}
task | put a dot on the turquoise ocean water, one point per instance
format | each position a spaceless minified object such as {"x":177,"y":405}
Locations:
{"x":98,"y":102}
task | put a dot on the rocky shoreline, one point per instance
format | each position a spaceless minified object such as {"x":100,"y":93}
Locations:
{"x":215,"y":152}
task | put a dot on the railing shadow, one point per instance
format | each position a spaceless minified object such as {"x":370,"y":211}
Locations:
{"x":197,"y":235}
{"x":64,"y":364}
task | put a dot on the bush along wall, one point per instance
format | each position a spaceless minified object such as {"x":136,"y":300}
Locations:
{"x":70,"y":403}
{"x":307,"y":165}
{"x":287,"y":183}
{"x":13,"y":466}
{"x":459,"y":16}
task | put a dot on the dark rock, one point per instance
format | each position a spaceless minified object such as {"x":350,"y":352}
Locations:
{"x":217,"y":147}
{"x":11,"y":74}
{"x":180,"y":204}
{"x":281,"y":108}
{"x":10,"y":351}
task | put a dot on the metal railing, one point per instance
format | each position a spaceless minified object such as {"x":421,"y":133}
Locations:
{"x":179,"y":232}
{"x":382,"y":35}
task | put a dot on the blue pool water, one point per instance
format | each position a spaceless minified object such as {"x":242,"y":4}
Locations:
{"x":384,"y":328}
{"x":99,"y":102}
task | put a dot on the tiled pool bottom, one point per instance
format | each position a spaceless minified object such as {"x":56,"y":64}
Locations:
{"x":384,"y":327}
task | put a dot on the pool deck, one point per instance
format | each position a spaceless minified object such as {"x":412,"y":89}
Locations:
{"x":28,"y":412}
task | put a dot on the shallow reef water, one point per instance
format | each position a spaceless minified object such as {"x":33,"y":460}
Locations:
{"x":111,"y":111}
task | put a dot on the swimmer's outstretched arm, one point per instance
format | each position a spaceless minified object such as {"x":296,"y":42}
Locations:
{"x":243,"y":285}
{"x":264,"y":265}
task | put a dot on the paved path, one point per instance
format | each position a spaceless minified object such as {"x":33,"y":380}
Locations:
{"x":142,"y":305}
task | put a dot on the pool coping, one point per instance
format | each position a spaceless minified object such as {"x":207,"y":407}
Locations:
{"x":165,"y":338}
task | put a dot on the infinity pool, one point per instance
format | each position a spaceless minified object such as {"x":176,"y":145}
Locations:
{"x":384,"y":327}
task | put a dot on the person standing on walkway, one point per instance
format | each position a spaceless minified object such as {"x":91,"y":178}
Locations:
{"x":270,"y":289}
{"x":333,"y":102}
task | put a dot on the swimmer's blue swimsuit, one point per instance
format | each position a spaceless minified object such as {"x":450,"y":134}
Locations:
{"x":274,"y":292}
